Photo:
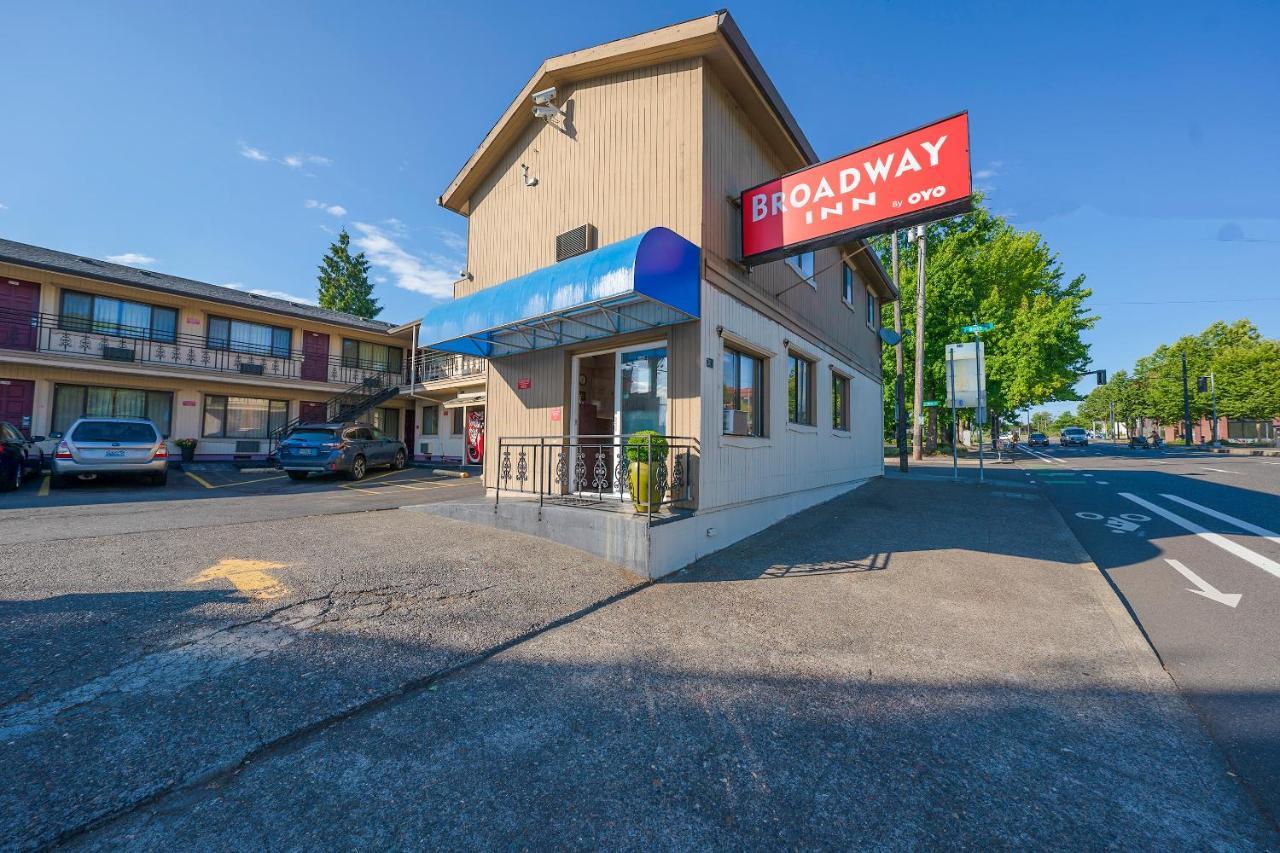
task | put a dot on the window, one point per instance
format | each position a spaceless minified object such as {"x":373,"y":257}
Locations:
{"x":368,"y":356}
{"x":799,"y":390}
{"x":254,"y":338}
{"x":430,"y":420}
{"x":458,"y":428}
{"x":86,"y":312}
{"x":873,"y":311}
{"x":803,"y":265}
{"x":1242,"y":429}
{"x":839,"y":402}
{"x":386,"y":420}
{"x":846,"y":284}
{"x":744,"y":388}
{"x":243,"y":417}
{"x":71,"y":402}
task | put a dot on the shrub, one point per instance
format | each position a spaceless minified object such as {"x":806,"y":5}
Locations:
{"x":638,"y":446}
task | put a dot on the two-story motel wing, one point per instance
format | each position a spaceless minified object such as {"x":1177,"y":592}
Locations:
{"x":229,"y":368}
{"x":604,"y":288}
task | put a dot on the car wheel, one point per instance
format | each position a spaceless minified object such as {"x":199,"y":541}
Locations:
{"x":398,"y":462}
{"x":357,"y":470}
{"x":13,"y":480}
{"x":297,"y":475}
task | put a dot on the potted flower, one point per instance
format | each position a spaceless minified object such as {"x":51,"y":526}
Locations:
{"x":644,"y":449}
{"x":188,"y":448}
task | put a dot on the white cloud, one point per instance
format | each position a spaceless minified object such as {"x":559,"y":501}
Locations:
{"x":993,"y":169}
{"x":408,"y":271}
{"x":252,"y":153}
{"x":293,"y":161}
{"x":274,"y":294}
{"x":4,"y":207}
{"x":331,"y":209}
{"x":131,"y":259}
{"x":452,"y":240}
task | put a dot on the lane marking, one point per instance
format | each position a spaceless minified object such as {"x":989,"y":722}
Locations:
{"x":44,"y":486}
{"x":1267,"y":565}
{"x":249,"y":577}
{"x":1102,"y":482}
{"x":1219,"y":470}
{"x":1229,"y":519}
{"x":1203,"y":587}
{"x":201,"y":480}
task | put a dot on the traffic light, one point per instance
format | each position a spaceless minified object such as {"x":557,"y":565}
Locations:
{"x":1202,"y":384}
{"x":1102,"y":377}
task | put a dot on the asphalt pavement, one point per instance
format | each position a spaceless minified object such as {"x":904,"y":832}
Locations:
{"x":1189,"y":541}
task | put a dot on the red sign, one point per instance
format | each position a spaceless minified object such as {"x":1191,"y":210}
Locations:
{"x":524,"y":383}
{"x":919,"y":176}
{"x":188,"y":402}
{"x":555,"y":413}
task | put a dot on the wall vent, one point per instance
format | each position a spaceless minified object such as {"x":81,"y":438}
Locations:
{"x":576,"y":242}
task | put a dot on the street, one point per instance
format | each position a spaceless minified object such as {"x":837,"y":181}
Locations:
{"x":1188,"y":539}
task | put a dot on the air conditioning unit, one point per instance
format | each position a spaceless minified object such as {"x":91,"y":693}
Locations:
{"x":251,"y":369}
{"x":576,"y":242}
{"x":735,"y":422}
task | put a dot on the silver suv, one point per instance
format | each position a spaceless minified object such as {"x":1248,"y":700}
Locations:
{"x":94,"y":446}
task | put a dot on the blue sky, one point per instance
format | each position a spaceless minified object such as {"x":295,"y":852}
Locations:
{"x":228,"y":142}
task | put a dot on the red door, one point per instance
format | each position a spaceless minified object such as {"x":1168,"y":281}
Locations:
{"x":16,"y":399}
{"x":315,"y":357}
{"x":410,"y":428}
{"x":313,"y":413}
{"x":19,"y":305}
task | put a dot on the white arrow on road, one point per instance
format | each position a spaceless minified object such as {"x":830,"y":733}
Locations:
{"x":1264,"y":563}
{"x":1203,"y":587}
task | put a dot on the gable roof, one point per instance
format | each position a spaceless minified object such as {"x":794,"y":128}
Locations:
{"x":23,"y":254}
{"x":714,"y":37}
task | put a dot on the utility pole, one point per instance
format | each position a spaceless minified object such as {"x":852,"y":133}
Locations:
{"x":1186,"y":404}
{"x":899,"y":384}
{"x":917,"y":429}
{"x":1213,"y":389}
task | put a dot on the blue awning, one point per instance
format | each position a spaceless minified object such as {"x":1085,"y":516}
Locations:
{"x":647,"y":281}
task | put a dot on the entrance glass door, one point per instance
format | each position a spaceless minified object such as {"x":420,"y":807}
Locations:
{"x":642,"y":389}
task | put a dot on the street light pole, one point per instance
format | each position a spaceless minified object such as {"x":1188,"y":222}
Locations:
{"x":900,"y":382}
{"x":1213,"y":389}
{"x":917,"y":429}
{"x":1186,"y":404}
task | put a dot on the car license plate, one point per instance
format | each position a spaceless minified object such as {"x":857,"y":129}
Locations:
{"x":305,"y":451}
{"x":115,"y":453}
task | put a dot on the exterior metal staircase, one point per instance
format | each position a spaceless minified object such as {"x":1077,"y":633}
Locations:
{"x":346,"y":406}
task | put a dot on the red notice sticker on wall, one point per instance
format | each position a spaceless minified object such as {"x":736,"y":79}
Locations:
{"x":524,"y":383}
{"x":555,"y":414}
{"x":188,"y":402}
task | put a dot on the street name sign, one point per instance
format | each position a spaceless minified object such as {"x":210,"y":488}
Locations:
{"x":977,"y":328}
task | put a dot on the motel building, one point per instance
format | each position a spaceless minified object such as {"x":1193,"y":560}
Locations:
{"x":233,"y":370}
{"x":605,"y":290}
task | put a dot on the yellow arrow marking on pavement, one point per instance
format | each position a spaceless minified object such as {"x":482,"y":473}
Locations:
{"x":249,"y":577}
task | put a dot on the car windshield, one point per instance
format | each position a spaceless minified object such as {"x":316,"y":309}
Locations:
{"x":115,"y":431}
{"x":1073,"y":431}
{"x":1037,"y":435}
{"x":311,"y":435}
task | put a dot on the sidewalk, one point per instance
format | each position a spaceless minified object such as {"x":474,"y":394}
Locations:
{"x":887,"y":670}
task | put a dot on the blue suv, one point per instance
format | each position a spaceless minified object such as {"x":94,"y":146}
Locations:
{"x":347,"y":448}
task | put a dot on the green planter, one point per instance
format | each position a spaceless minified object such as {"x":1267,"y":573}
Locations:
{"x":645,"y":450}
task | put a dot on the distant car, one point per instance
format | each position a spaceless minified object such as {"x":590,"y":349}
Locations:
{"x":18,"y":456}
{"x":1074,"y":437}
{"x":1037,"y":439}
{"x":1139,"y":442}
{"x":94,"y":446}
{"x":344,"y":448}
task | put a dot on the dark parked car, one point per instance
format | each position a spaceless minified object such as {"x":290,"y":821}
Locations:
{"x":1074,"y":436}
{"x":1038,"y":439}
{"x":94,"y":446}
{"x":18,"y":456}
{"x":346,"y":448}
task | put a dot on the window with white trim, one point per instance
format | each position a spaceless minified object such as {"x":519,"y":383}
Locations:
{"x":873,"y":311}
{"x":802,"y":264}
{"x":839,"y":402}
{"x":744,"y":390}
{"x":799,"y":390}
{"x":846,"y":284}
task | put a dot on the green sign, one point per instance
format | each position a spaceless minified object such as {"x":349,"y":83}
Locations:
{"x":929,"y":404}
{"x":977,"y":328}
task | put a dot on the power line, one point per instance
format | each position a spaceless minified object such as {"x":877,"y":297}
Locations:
{"x":1187,"y":301}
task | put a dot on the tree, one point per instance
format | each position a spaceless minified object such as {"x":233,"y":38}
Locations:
{"x":1068,"y":419}
{"x":1160,"y":373}
{"x":980,"y":268}
{"x":1247,"y":378}
{"x":1041,"y":421}
{"x":344,"y":281}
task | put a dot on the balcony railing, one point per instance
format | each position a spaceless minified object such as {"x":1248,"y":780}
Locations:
{"x":595,"y":471}
{"x":432,"y":366}
{"x":47,"y":333}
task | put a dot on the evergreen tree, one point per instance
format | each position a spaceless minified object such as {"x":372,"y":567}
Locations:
{"x":344,"y":281}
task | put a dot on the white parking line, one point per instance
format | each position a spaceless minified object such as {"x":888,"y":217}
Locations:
{"x":1220,"y":470}
{"x":1267,"y":565}
{"x":1229,"y":519}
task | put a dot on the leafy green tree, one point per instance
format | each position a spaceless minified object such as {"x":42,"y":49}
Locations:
{"x":1041,"y":421}
{"x":1247,"y":378}
{"x":981,"y":268}
{"x":344,"y":281}
{"x":1068,"y":419}
{"x":1161,"y":372}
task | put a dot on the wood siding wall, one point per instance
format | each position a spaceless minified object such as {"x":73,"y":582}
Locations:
{"x":737,"y":157}
{"x":631,"y":161}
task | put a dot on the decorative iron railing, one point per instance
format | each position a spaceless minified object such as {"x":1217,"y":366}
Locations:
{"x":599,"y":470}
{"x":78,"y":338}
{"x":433,"y":366}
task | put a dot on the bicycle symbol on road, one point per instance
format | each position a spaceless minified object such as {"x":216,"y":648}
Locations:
{"x":1124,"y":523}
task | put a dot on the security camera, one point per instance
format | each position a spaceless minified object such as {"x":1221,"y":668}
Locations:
{"x":542,"y":111}
{"x":544,"y":97}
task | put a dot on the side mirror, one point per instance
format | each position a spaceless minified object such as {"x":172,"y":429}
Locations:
{"x":55,"y":435}
{"x":38,"y":438}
